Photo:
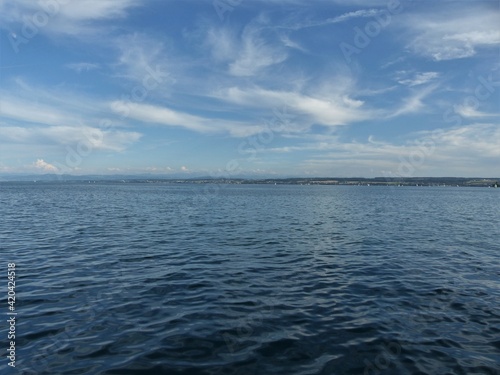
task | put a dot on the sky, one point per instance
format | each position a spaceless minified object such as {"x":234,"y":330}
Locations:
{"x":232,"y":88}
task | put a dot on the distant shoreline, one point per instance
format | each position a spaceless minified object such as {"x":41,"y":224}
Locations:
{"x":325,"y":181}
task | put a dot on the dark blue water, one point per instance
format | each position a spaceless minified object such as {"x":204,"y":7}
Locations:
{"x":122,"y":278}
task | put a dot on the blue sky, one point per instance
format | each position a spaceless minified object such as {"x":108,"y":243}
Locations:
{"x":250,"y":88}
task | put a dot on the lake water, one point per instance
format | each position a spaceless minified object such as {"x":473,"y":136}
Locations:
{"x":129,"y":278}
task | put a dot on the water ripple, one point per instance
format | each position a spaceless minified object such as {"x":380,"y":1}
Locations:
{"x":138,"y":279}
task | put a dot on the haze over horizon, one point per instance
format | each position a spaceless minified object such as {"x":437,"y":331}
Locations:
{"x":224,"y":88}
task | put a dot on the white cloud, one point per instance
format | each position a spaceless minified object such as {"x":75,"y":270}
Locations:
{"x":68,"y":17}
{"x":469,"y":111}
{"x":376,"y":91}
{"x":140,"y":56}
{"x":419,"y":79}
{"x":84,"y":10}
{"x":471,"y":141}
{"x":54,"y":106}
{"x":287,"y":42}
{"x":468,"y":150}
{"x":56,"y":117}
{"x":161,"y":115}
{"x":256,"y":54}
{"x":44,"y":166}
{"x":89,"y":137}
{"x":442,"y":36}
{"x":249,"y":54}
{"x":414,"y":103}
{"x":476,"y":37}
{"x":337,"y":109}
{"x":363,"y":13}
{"x":449,"y":51}
{"x":22,"y":110}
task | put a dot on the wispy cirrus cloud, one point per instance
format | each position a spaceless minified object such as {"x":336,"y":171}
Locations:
{"x":330,"y":110}
{"x":469,"y":111}
{"x":467,"y":141}
{"x":417,"y":79}
{"x":249,"y":53}
{"x":74,"y":18}
{"x":454,"y":150}
{"x":363,"y":13}
{"x":21,"y":109}
{"x":94,"y":137}
{"x":138,"y":56}
{"x":162,"y":115}
{"x":45,"y":106}
{"x":57,"y":117}
{"x":442,"y":36}
{"x":414,"y":103}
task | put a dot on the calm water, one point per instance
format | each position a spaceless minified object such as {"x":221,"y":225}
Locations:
{"x":125,"y":278}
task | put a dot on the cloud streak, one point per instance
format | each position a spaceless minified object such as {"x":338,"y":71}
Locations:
{"x":250,"y":53}
{"x":364,"y":13}
{"x":442,"y":37}
{"x":338,"y":109}
{"x":419,"y":79}
{"x":95,"y":138}
{"x":161,"y":115}
{"x":72,"y":18}
{"x":454,"y":150}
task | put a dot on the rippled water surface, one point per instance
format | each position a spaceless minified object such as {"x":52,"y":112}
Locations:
{"x":128,"y":278}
